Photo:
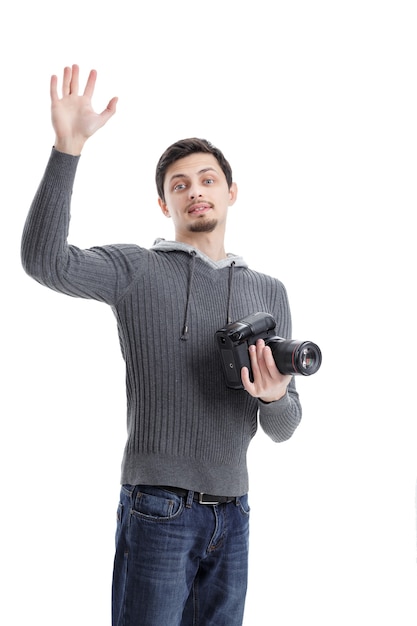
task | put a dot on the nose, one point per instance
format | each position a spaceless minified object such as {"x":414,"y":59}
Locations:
{"x":194,"y":191}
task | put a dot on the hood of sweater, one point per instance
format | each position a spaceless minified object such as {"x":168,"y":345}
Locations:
{"x":173,"y":246}
{"x":231,"y":261}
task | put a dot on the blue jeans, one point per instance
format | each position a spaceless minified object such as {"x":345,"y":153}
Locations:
{"x":178,"y":562}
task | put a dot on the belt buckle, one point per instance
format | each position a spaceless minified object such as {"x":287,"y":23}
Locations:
{"x":201,"y":501}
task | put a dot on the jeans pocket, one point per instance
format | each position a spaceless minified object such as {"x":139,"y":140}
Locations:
{"x":119,"y":513}
{"x":156,"y":504}
{"x":119,"y":522}
{"x":244,"y":505}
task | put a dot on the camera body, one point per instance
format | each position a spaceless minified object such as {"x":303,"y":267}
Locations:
{"x":290,"y":356}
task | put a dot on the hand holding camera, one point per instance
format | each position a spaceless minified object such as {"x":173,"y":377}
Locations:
{"x":291,"y":357}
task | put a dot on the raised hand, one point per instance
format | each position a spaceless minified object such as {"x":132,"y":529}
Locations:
{"x":73,"y":117}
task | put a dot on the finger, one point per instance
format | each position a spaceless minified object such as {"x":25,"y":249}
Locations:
{"x":253,"y":355}
{"x":260,"y":352}
{"x":91,"y":83}
{"x":109,"y":110}
{"x":53,"y":88}
{"x":269,"y":360}
{"x":112,"y":104}
{"x":256,"y":353}
{"x":246,"y":381}
{"x":66,"y":81}
{"x":74,"y":79}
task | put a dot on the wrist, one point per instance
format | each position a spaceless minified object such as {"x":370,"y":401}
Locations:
{"x":273,"y":399}
{"x":69,"y":146}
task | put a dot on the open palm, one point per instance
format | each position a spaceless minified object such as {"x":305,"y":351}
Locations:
{"x":73,"y":117}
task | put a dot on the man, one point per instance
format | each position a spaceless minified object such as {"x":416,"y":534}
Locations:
{"x":182,"y":535}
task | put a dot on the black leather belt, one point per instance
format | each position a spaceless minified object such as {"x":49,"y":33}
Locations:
{"x":201,"y":498}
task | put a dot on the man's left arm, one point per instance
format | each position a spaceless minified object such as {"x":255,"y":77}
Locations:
{"x":280,"y":418}
{"x":279,"y":404}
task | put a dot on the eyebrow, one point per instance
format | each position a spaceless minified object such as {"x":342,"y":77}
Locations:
{"x":203,"y":171}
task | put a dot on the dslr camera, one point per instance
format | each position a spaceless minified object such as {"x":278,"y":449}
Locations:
{"x":290,"y":356}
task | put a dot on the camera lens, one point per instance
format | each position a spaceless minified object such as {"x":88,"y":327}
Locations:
{"x":309,"y":359}
{"x":295,"y":357}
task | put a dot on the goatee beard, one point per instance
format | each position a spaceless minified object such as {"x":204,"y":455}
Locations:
{"x":203,"y":226}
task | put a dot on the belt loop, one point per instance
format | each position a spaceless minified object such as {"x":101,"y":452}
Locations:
{"x":134,"y":494}
{"x":190,"y":497}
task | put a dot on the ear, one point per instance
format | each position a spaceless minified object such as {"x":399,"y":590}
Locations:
{"x":164,"y":207}
{"x":232,"y":194}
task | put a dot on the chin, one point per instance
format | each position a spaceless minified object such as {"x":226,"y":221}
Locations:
{"x":203,"y":226}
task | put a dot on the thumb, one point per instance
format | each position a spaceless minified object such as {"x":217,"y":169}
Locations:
{"x":109,"y":110}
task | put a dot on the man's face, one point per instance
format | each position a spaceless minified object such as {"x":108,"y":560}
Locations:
{"x":196,"y":194}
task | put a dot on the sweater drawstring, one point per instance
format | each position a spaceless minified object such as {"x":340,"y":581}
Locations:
{"x":193,"y":254}
{"x":229,"y":295}
{"x":184,"y":335}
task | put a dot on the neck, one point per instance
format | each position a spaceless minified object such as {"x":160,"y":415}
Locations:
{"x":211,"y":246}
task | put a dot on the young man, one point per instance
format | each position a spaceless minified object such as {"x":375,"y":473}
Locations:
{"x":182,"y":535}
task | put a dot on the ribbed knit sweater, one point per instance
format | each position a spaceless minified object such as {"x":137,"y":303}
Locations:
{"x":185,"y":427}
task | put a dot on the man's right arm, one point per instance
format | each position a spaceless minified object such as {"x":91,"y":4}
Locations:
{"x":46,"y":255}
{"x":44,"y":245}
{"x":100,"y":273}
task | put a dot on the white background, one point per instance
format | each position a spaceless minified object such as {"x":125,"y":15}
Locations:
{"x":314,"y":105}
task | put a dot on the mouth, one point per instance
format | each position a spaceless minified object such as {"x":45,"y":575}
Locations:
{"x":199,"y":208}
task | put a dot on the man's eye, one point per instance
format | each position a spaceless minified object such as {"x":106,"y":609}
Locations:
{"x":209,"y":181}
{"x":179,"y":187}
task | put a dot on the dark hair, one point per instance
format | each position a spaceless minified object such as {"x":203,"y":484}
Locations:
{"x":184,"y":148}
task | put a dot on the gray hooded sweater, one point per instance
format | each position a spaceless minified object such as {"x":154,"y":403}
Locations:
{"x":185,"y":427}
